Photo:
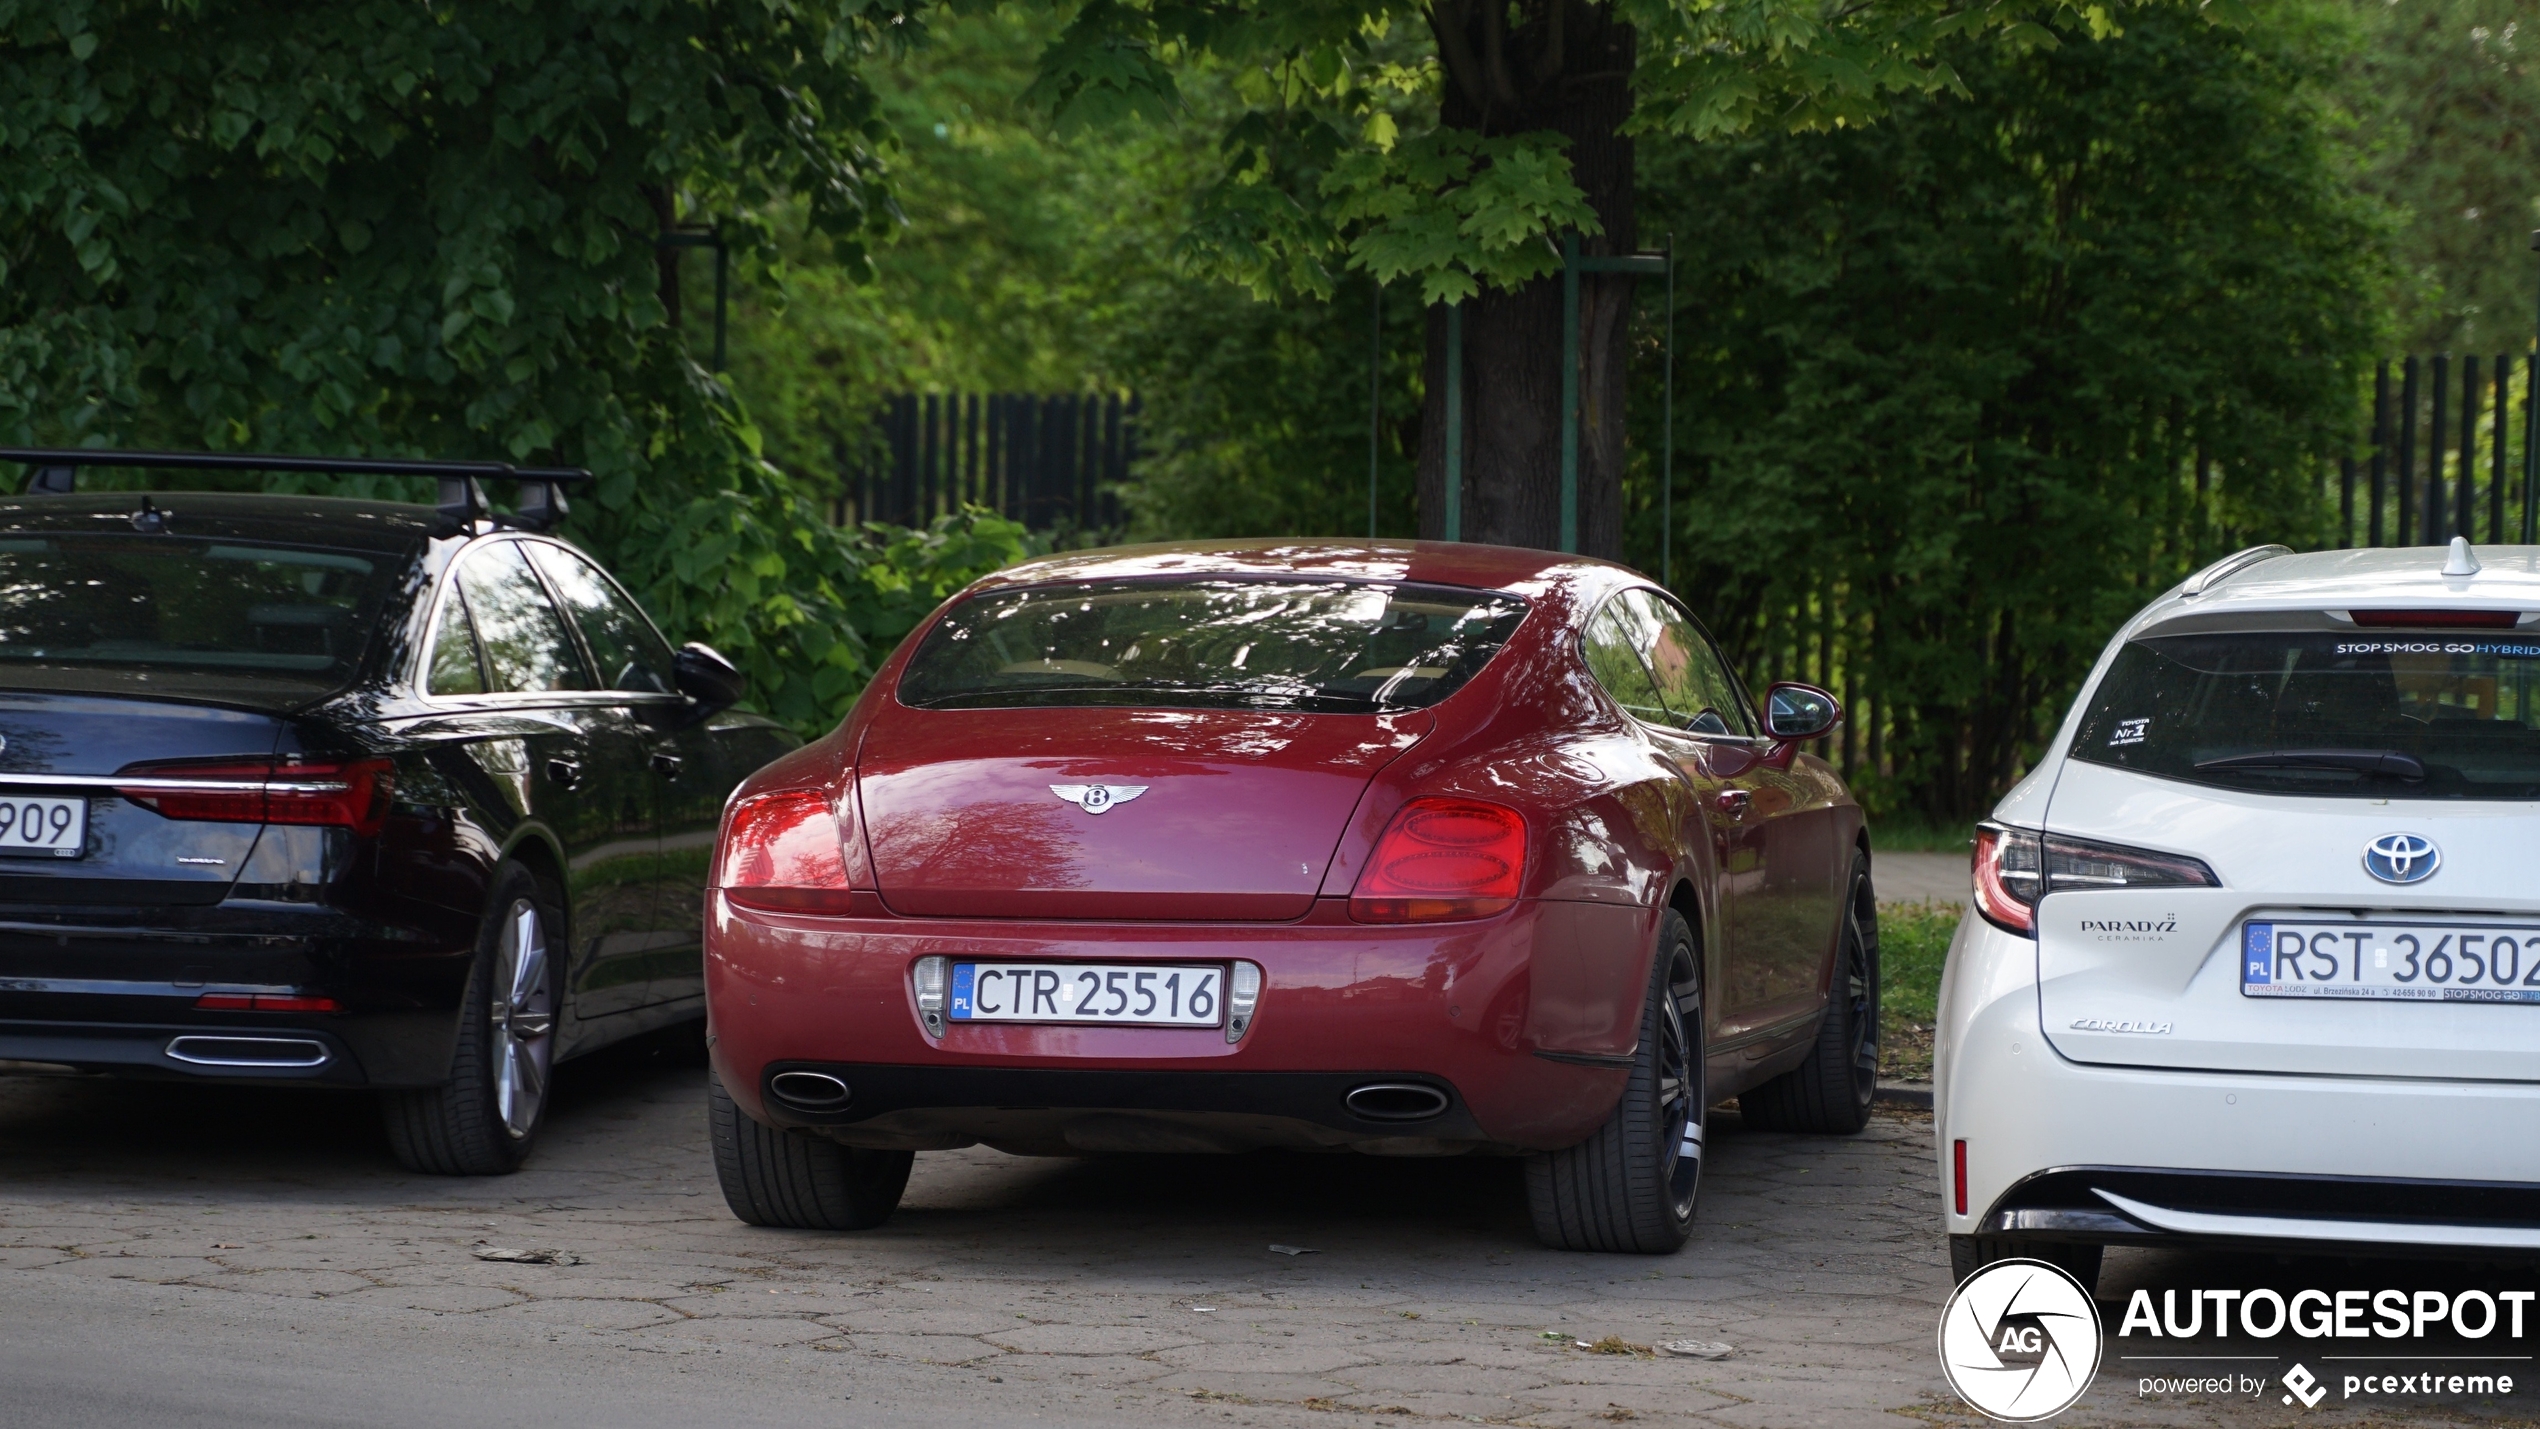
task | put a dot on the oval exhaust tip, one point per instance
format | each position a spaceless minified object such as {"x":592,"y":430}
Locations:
{"x":285,"y":1053}
{"x":809,"y":1091}
{"x":1396,"y":1101}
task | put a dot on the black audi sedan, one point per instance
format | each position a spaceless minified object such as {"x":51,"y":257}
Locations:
{"x":343,"y":793}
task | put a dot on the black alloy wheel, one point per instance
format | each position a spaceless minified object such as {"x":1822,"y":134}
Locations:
{"x":1633,"y":1186}
{"x":1831,"y":1092}
{"x":484,"y":1120}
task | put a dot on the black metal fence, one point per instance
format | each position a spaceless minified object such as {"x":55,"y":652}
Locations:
{"x":2444,"y":459}
{"x":1053,"y":463}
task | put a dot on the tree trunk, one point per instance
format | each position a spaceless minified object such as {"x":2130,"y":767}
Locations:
{"x":1566,"y":68}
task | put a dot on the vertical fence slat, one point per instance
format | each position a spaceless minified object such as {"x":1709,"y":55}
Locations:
{"x":2467,"y":493}
{"x":2407,"y":451}
{"x":2437,"y":529}
{"x":2496,"y":451}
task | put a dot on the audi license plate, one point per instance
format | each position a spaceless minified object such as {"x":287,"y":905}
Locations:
{"x":1145,"y":994}
{"x":43,"y":828}
{"x":2404,"y":962}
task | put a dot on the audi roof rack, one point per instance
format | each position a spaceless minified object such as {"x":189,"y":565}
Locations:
{"x":55,"y":472}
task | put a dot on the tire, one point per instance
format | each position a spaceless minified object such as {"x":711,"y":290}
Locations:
{"x":1831,"y":1091}
{"x":485,"y":1119}
{"x":1633,"y":1186}
{"x":1971,"y":1253}
{"x":796,"y":1180}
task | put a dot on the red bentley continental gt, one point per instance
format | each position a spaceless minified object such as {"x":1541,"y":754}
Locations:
{"x":1414,"y":850}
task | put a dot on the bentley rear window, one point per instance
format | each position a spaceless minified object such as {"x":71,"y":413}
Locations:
{"x":2379,"y":714}
{"x":165,"y":603}
{"x":1321,"y":645}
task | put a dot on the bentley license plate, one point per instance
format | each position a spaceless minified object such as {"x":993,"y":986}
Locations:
{"x":1141,"y":994}
{"x":2399,"y":962}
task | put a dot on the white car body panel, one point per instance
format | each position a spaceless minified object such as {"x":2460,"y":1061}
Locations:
{"x":2120,"y":1037}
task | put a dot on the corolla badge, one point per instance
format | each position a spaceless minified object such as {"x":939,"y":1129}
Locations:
{"x":2402,"y":858}
{"x":1094,"y":798}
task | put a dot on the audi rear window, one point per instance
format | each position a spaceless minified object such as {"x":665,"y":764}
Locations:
{"x":2375,"y":714}
{"x":1317,"y":645}
{"x":168,"y":605}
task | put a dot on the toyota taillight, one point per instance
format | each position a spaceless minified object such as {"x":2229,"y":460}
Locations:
{"x":349,"y":793}
{"x":1443,"y":859}
{"x":784,"y":852}
{"x":2016,"y":867}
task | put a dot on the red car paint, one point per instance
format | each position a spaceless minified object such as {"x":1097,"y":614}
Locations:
{"x":1253,"y":832}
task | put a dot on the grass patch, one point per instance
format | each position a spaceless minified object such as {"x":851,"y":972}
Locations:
{"x":1913,"y":947}
{"x":1905,"y":834}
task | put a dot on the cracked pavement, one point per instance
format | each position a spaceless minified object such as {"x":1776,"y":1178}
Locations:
{"x":1006,"y":1289}
{"x":175,"y":1254}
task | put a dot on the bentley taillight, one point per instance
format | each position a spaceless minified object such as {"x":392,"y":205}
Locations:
{"x":350,"y":794}
{"x":1443,"y":859}
{"x":784,"y":852}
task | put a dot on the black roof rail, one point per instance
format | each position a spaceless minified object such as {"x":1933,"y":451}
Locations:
{"x":55,"y":471}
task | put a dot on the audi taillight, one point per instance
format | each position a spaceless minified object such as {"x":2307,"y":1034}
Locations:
{"x":784,"y":852}
{"x":347,"y":793}
{"x":2016,"y":867}
{"x":1443,"y":859}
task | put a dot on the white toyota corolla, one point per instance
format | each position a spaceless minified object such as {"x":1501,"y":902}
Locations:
{"x":2255,"y":952}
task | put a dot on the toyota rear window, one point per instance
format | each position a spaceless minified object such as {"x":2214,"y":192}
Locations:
{"x":167,"y":604}
{"x":2376,"y":714}
{"x":1317,"y":645}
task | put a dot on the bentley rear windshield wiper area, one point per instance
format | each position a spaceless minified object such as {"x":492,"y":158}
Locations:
{"x":2368,"y":763}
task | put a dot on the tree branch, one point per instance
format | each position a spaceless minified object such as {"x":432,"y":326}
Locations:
{"x":1455,"y":50}
{"x":1549,"y":59}
{"x":1503,"y":85}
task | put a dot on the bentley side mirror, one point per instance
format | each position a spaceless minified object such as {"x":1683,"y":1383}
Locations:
{"x":1794,"y":712}
{"x":703,"y":675}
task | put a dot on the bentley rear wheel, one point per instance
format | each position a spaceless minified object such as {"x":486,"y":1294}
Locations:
{"x":1632,"y":1187}
{"x":1832,"y":1090}
{"x":774,"y":1177}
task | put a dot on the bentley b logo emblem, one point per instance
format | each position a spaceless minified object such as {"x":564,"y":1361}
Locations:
{"x":1094,"y":798}
{"x":2402,"y":858}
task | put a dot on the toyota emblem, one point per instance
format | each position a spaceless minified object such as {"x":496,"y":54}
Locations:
{"x":2402,"y":858}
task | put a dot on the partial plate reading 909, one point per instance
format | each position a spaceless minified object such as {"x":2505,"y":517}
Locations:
{"x":43,"y":828}
{"x":2400,"y":962}
{"x":1144,"y":994}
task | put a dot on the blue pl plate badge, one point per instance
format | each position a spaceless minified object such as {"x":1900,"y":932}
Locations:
{"x":2257,"y":960}
{"x":963,"y":975}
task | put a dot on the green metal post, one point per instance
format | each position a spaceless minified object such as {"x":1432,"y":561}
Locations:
{"x":1455,"y":421}
{"x":1375,"y":392}
{"x":1667,"y":436}
{"x":1569,"y":392}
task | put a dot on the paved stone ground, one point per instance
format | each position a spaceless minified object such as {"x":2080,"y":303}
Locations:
{"x":165,"y":1248}
{"x":1913,"y":877}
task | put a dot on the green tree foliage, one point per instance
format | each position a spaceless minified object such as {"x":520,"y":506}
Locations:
{"x":2449,"y":94}
{"x":1336,"y":156}
{"x":1967,"y":387}
{"x":430,"y":228}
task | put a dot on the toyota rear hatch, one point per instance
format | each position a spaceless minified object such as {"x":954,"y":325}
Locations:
{"x":1179,"y":748}
{"x":2299,"y":850}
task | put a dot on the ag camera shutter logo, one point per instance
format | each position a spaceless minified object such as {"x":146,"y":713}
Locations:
{"x":2020,"y":1341}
